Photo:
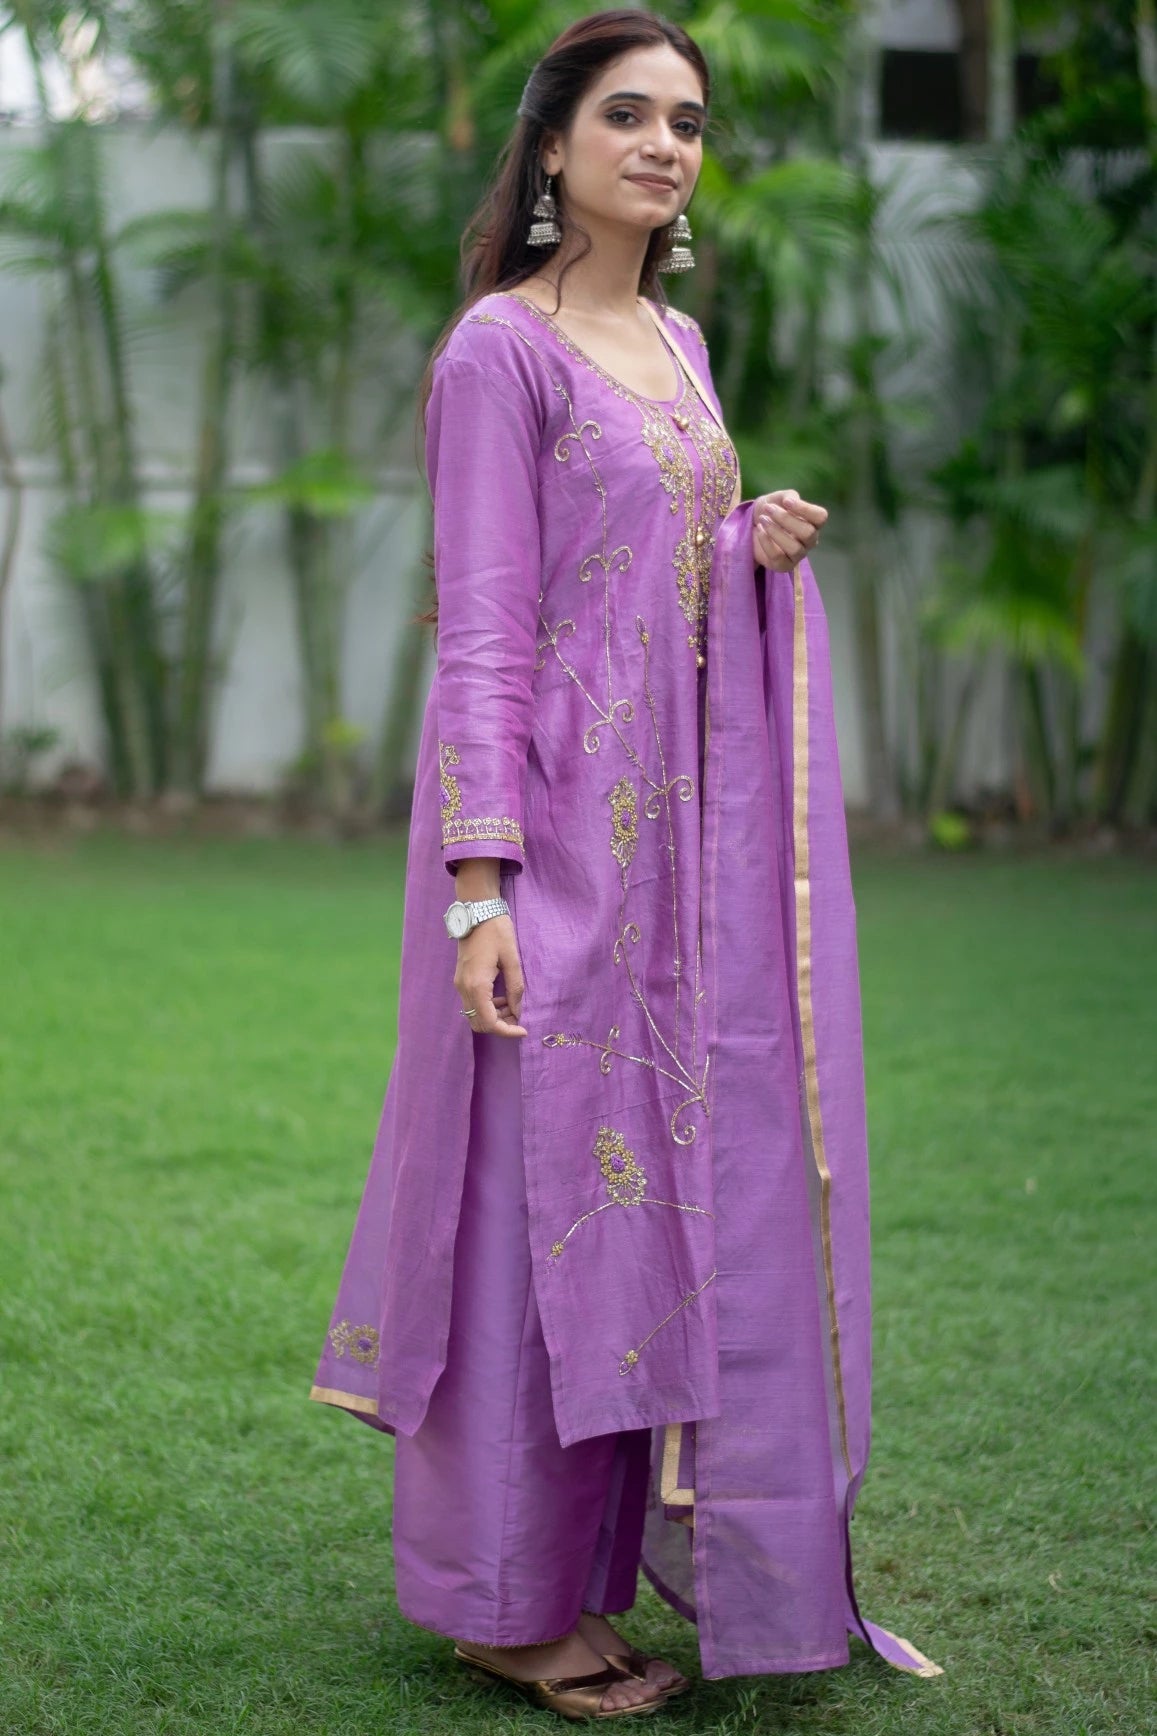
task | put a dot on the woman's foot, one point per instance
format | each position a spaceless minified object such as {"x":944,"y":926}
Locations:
{"x":604,"y":1639}
{"x":572,"y":1656}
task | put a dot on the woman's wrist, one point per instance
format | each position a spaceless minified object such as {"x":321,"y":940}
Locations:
{"x":477,"y":877}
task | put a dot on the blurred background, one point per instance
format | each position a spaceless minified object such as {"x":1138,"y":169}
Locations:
{"x":926,"y":268}
{"x":926,"y":251}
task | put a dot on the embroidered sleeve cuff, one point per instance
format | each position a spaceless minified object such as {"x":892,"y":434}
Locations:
{"x":481,"y":835}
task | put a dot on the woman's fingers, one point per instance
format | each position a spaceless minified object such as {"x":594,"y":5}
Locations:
{"x":491,"y":949}
{"x":786,"y":528}
{"x":477,"y":999}
{"x":789,"y":499}
{"x":802,"y":529}
{"x":511,"y":966}
{"x":490,"y":1014}
{"x":775,"y":549}
{"x":786,"y":539}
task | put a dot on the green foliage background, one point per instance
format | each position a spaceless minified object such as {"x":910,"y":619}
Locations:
{"x":878,"y":342}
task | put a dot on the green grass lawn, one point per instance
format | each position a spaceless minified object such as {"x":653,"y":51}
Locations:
{"x":194,"y":1045}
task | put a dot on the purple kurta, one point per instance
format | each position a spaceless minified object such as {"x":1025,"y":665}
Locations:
{"x":639,"y":722}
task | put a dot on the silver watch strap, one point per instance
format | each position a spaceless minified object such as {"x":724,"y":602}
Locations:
{"x":481,"y":908}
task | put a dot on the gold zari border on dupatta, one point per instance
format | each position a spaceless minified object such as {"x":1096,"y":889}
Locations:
{"x":927,"y":1666}
{"x":803,"y":972}
{"x":347,"y":1400}
{"x":669,"y":1491}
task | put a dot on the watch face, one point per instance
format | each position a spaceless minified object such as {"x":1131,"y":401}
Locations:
{"x":458,"y":920}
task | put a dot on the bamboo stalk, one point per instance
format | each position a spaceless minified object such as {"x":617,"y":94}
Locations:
{"x":143,"y":681}
{"x":302,"y":528}
{"x":202,"y":565}
{"x":13,"y":518}
{"x":865,"y":528}
{"x":128,"y":746}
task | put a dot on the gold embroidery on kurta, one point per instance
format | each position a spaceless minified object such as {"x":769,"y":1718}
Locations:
{"x":618,"y":711}
{"x":562,"y":450}
{"x":687,"y":324}
{"x":657,"y":805}
{"x":478,"y":828}
{"x":632,"y":1356}
{"x":659,"y":425}
{"x":451,"y":794}
{"x":659,"y":794}
{"x":624,"y":822}
{"x":626,"y":1180}
{"x":359,"y":1342}
{"x":557,"y":1248}
{"x":458,"y":828}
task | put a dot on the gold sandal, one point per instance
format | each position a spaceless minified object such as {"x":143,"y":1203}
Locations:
{"x":578,"y":1698}
{"x":634,"y":1663}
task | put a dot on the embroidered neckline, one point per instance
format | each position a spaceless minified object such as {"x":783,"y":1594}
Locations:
{"x":576,"y":349}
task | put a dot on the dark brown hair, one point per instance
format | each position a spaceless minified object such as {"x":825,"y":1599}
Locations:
{"x":494,"y":253}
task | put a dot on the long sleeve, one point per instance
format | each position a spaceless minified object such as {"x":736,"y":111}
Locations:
{"x":481,"y":460}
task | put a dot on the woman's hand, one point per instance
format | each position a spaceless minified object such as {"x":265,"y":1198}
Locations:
{"x":486,"y":950}
{"x":784,"y":529}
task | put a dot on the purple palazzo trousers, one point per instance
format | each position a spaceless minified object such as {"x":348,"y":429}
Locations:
{"x":501,"y":1535}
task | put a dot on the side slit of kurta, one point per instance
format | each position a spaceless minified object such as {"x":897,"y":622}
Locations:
{"x":501,"y":1536}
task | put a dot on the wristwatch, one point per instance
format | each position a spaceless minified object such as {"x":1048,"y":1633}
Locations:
{"x":465,"y":914}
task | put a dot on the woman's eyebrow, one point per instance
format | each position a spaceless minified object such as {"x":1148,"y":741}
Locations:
{"x":641,"y":96}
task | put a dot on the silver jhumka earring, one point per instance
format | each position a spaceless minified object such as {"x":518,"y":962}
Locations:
{"x":677,"y":256}
{"x":545,"y":232}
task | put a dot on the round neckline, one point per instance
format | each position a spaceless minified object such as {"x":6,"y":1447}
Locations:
{"x":571,"y":344}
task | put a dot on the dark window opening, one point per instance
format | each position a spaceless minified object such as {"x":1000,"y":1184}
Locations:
{"x":919,"y":95}
{"x":923,"y":96}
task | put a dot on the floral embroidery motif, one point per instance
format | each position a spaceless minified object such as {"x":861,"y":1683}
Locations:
{"x":359,"y":1342}
{"x":626,"y":1180}
{"x":624,"y":822}
{"x":457,"y":829}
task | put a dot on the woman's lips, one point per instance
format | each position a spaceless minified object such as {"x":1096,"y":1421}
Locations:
{"x":653,"y":181}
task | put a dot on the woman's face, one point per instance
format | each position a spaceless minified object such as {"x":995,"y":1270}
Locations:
{"x":643,"y":116}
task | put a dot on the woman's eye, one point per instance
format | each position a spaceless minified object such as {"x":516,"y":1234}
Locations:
{"x":690,"y":129}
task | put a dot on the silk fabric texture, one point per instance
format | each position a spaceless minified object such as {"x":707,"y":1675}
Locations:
{"x":638,"y":721}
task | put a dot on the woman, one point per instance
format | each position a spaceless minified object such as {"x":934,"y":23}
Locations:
{"x":609,"y":1281}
